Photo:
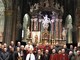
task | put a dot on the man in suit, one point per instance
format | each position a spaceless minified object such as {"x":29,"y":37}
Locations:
{"x":46,"y":55}
{"x":4,"y":54}
{"x":39,"y":55}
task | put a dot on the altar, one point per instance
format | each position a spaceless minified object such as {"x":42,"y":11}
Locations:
{"x":45,"y":25}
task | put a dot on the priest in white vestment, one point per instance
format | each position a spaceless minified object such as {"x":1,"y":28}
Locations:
{"x":30,"y":56}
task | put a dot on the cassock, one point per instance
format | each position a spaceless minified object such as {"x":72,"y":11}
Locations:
{"x":54,"y":56}
{"x":64,"y":56}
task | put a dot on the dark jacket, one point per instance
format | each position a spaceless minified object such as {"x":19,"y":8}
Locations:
{"x":46,"y":57}
{"x":4,"y":56}
{"x":13,"y":55}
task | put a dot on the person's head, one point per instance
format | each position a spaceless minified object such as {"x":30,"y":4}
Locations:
{"x":12,"y":43}
{"x":5,"y":45}
{"x":39,"y":51}
{"x":70,"y":52}
{"x":53,"y":50}
{"x":12,"y":49}
{"x":59,"y":52}
{"x":71,"y":46}
{"x":47,"y":43}
{"x":46,"y":51}
{"x":18,"y":43}
{"x":57,"y":44}
{"x":78,"y":52}
{"x":51,"y":46}
{"x":75,"y":48}
{"x":29,"y":43}
{"x":63,"y":50}
{"x":22,"y":47}
{"x":64,"y":46}
{"x":4,"y":49}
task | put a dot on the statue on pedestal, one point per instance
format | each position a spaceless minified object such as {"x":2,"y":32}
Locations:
{"x":64,"y":33}
{"x":25,"y":26}
{"x":69,"y":28}
{"x":46,"y":22}
{"x":28,"y":33}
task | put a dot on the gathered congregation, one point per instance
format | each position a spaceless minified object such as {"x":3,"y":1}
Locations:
{"x":39,"y":51}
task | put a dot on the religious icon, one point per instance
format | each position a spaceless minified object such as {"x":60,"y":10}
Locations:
{"x":36,"y":38}
{"x":69,"y":28}
{"x":28,"y":33}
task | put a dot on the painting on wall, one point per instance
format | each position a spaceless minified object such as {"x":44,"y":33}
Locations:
{"x":36,"y":36}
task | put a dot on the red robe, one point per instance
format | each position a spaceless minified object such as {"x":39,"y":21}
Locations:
{"x":59,"y":56}
{"x":54,"y":57}
{"x":64,"y":56}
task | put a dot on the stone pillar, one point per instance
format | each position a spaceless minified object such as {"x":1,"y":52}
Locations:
{"x":8,"y":21}
{"x":56,"y":28}
{"x":35,"y":24}
{"x":40,"y":24}
{"x":52,"y":28}
{"x":8,"y":26}
{"x":16,"y":21}
{"x":60,"y":29}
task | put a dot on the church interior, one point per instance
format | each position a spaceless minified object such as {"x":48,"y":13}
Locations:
{"x":39,"y":21}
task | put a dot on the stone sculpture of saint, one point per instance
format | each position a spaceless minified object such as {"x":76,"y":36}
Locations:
{"x":46,"y":22}
{"x":64,"y":33}
{"x":25,"y":25}
{"x":28,"y":33}
{"x":69,"y":29}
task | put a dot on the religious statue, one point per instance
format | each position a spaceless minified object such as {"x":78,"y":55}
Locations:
{"x":25,"y":25}
{"x":46,"y":22}
{"x":28,"y":33}
{"x":36,"y":38}
{"x":46,"y":3}
{"x":31,"y":8}
{"x":36,"y":6}
{"x":64,"y":33}
{"x":69,"y":28}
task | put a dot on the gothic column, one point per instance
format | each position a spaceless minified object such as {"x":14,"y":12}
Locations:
{"x":15,"y":23}
{"x":8,"y":26}
{"x":8,"y":21}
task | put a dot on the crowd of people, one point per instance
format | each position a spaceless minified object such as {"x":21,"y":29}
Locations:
{"x":39,"y":51}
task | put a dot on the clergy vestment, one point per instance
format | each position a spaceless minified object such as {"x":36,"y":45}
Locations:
{"x":64,"y":56}
{"x":30,"y":56}
{"x":54,"y":56}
